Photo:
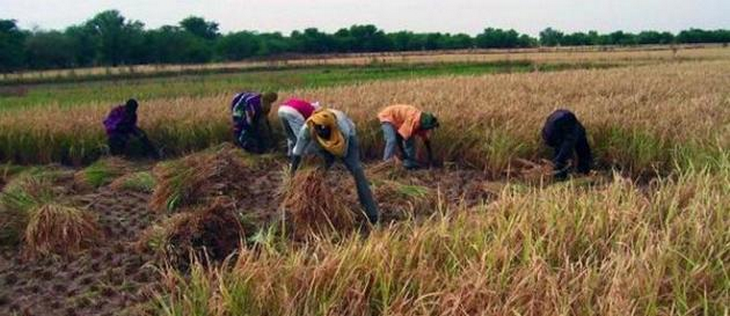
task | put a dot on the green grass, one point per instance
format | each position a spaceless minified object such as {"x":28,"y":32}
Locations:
{"x":142,"y":181}
{"x":104,"y":171}
{"x":116,"y":91}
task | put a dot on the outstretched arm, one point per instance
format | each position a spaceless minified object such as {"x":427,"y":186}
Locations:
{"x":399,"y":140}
{"x":427,"y":142}
{"x":295,"y":161}
{"x":563,"y":153}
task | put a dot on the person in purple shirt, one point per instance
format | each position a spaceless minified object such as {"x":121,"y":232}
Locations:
{"x":121,"y":126}
{"x":566,"y":135}
{"x":251,"y":128}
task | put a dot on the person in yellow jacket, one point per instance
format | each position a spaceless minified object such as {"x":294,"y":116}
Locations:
{"x":333,"y":135}
{"x":400,"y":123}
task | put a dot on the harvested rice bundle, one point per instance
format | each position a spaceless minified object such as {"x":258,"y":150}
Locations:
{"x":200,"y":177}
{"x":60,"y":229}
{"x":313,"y":208}
{"x":102,"y":172}
{"x":24,"y":193}
{"x":533,"y":173}
{"x":213,"y":233}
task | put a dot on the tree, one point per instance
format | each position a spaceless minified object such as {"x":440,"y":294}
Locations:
{"x":239,"y":45}
{"x":577,"y":39}
{"x":498,"y":38}
{"x":312,"y":41}
{"x":551,"y":37}
{"x":200,"y":27}
{"x":118,"y":39}
{"x":367,"y":38}
{"x":273,"y":44}
{"x":11,"y":46}
{"x":622,"y":38}
{"x":654,"y":37}
{"x":44,"y":50}
{"x":83,"y":45}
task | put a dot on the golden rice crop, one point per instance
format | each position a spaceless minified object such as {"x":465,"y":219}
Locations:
{"x":487,"y":121}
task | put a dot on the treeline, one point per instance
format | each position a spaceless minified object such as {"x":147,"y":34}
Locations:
{"x":110,"y":39}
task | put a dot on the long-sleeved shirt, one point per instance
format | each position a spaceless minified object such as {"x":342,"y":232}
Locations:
{"x":120,"y":121}
{"x":304,"y":136}
{"x":559,"y":125}
{"x":245,"y":111}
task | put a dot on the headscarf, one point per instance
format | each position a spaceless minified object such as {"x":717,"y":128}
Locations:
{"x":336,"y":143}
{"x":428,"y":121}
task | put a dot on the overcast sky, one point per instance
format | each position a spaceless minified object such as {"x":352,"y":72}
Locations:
{"x":527,"y":16}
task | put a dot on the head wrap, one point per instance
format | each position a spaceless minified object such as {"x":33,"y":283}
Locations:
{"x":266,"y":100}
{"x":336,"y":143}
{"x":428,"y":121}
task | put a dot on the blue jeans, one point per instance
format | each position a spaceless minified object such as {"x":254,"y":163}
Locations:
{"x":392,"y":138}
{"x":354,"y":166}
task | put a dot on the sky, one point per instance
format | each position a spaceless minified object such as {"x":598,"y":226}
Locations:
{"x":453,"y":16}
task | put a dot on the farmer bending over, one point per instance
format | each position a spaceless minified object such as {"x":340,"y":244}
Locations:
{"x":251,"y":128}
{"x":400,"y":123}
{"x":121,"y":125}
{"x":292,"y":114}
{"x":335,"y":138}
{"x":565,"y":134}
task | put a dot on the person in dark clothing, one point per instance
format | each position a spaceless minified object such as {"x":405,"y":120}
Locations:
{"x":251,"y":127}
{"x":566,"y":135}
{"x":121,"y":126}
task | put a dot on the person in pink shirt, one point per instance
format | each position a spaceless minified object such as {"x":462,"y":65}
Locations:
{"x":292,"y":114}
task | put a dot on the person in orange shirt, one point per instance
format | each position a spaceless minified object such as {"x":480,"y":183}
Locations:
{"x":400,"y":123}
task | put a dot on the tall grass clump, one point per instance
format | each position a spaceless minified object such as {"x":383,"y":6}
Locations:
{"x":617,"y":249}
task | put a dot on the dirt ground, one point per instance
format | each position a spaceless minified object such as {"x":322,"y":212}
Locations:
{"x":114,"y":279}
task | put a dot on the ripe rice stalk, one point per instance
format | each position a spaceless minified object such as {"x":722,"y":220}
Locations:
{"x":59,"y":229}
{"x":498,"y":119}
{"x":312,"y":207}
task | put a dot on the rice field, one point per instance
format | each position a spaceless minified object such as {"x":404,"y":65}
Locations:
{"x":212,"y":231}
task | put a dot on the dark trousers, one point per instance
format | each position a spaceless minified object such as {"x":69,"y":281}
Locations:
{"x":354,"y":166}
{"x":257,"y":139}
{"x":118,"y":143}
{"x":574,"y":141}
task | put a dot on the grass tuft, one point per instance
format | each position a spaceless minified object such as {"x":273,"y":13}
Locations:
{"x":102,"y":172}
{"x":142,"y":181}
